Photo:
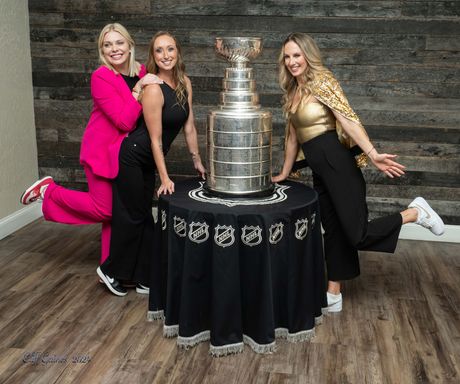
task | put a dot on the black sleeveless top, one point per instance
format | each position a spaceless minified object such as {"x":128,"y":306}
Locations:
{"x":130,"y":81}
{"x":173,"y":118}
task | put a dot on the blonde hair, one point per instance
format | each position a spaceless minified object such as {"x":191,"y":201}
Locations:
{"x":133,"y":67}
{"x":178,"y":70}
{"x":288,"y":83}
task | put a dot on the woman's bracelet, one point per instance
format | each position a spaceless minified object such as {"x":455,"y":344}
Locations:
{"x":195,"y":155}
{"x":370,"y":150}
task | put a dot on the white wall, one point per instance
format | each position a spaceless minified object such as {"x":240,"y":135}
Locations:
{"x":18,"y":148}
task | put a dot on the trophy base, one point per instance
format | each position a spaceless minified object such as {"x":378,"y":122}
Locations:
{"x":239,"y":196}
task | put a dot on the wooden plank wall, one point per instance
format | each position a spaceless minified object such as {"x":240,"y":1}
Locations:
{"x":398,"y":62}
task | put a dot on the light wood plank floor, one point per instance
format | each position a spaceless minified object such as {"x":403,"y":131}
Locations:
{"x":400,"y":322}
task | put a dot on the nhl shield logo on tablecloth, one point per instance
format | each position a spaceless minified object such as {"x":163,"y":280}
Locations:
{"x":198,"y":232}
{"x":180,"y":226}
{"x":163,"y":219}
{"x":276,"y":233}
{"x":301,"y":228}
{"x":251,"y":235}
{"x":224,"y":235}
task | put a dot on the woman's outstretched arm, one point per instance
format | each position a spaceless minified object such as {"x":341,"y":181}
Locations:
{"x":383,"y":161}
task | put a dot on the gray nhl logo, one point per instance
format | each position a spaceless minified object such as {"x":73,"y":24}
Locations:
{"x":301,"y":228}
{"x":276,"y":233}
{"x":312,"y":220}
{"x":163,"y":219}
{"x":224,"y":235}
{"x":251,"y":235}
{"x":180,"y":226}
{"x":198,"y":232}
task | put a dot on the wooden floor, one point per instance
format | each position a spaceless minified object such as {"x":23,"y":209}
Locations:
{"x":400,"y":323}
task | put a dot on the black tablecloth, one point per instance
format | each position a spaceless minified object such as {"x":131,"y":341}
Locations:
{"x":238,"y":271}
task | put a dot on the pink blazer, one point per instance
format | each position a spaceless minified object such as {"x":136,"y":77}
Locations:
{"x":114,"y":115}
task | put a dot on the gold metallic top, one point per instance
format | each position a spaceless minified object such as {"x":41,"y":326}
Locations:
{"x":312,"y":119}
{"x":326,"y":89}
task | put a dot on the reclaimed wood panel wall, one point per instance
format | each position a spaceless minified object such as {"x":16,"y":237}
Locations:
{"x":398,"y":62}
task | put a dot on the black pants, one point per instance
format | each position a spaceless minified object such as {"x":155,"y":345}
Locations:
{"x":344,"y":214}
{"x":131,"y":244}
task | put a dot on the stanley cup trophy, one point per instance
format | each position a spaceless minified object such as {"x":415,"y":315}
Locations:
{"x":239,"y":132}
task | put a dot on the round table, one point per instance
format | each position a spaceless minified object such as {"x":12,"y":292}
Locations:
{"x":238,"y":271}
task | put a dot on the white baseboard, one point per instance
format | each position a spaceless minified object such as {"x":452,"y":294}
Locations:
{"x":19,"y":219}
{"x":416,"y":232}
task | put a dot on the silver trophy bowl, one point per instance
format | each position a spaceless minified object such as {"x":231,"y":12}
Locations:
{"x":239,"y":132}
{"x":238,"y":49}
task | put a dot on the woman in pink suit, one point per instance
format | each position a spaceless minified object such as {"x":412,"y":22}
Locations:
{"x":115,"y":88}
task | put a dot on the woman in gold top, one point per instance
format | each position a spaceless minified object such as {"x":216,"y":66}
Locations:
{"x":324,"y":130}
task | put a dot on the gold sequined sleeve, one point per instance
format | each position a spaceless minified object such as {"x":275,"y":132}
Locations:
{"x":327,"y":89}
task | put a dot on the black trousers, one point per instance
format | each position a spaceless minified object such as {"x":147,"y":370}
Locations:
{"x":131,"y":244}
{"x":344,"y":214}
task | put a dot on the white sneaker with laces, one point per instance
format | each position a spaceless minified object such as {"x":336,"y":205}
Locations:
{"x":427,"y":217}
{"x":334,"y":302}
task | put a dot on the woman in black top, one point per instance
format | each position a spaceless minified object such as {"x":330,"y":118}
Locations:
{"x":167,"y":108}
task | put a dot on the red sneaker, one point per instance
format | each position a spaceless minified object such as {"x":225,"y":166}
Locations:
{"x":36,"y":190}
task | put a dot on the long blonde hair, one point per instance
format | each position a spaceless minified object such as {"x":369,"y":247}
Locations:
{"x":133,"y":67}
{"x":288,"y":83}
{"x":178,"y":70}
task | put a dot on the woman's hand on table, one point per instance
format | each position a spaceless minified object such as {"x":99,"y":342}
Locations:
{"x":278,"y":178}
{"x":198,"y":165}
{"x":166,"y":188}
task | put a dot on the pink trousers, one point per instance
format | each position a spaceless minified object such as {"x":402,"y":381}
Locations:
{"x":74,"y":207}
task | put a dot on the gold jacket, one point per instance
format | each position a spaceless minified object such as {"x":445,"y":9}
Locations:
{"x":328,"y":91}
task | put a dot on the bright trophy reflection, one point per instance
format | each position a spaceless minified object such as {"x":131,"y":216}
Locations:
{"x":239,"y":132}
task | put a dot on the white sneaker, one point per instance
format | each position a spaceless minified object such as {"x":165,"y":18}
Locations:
{"x":334,"y":302}
{"x":427,"y":217}
{"x":111,"y":283}
{"x":36,"y":191}
{"x":142,"y":289}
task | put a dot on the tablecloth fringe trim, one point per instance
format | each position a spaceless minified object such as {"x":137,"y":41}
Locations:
{"x":224,"y":350}
{"x":187,"y":342}
{"x":283,"y":333}
{"x":170,"y":331}
{"x":318,"y":320}
{"x":259,"y":348}
{"x":155,"y":315}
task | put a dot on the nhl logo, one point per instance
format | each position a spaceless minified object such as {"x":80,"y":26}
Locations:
{"x":251,"y":235}
{"x":198,"y":232}
{"x":301,"y":228}
{"x":224,"y":235}
{"x":163,"y":219}
{"x":276,"y":233}
{"x":180,"y":226}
